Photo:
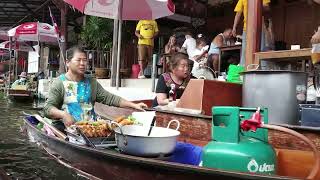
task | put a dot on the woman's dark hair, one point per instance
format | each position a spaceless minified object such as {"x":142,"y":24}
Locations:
{"x":70,"y":52}
{"x":176,"y":58}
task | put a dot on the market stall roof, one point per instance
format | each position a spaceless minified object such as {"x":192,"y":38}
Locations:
{"x":15,"y":12}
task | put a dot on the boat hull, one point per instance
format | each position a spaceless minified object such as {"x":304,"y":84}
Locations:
{"x":109,"y":164}
{"x":20,"y":95}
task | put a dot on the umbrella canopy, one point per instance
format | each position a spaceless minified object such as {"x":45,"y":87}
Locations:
{"x":3,"y":35}
{"x":34,"y":31}
{"x":4,"y":52}
{"x":19,"y":46}
{"x":131,"y":9}
{"x":124,"y":10}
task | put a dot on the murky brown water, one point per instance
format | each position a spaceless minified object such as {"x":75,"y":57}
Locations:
{"x":20,"y":158}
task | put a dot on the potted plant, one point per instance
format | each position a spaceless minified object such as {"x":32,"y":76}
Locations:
{"x":97,"y":34}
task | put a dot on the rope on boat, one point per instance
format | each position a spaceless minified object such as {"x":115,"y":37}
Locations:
{"x":316,"y":153}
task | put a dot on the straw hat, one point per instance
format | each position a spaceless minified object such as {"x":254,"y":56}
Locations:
{"x":23,"y":74}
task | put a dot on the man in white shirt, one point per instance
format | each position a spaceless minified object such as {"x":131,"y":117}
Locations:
{"x":189,"y":45}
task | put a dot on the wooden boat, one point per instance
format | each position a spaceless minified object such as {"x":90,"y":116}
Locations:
{"x":20,"y":94}
{"x":110,"y":164}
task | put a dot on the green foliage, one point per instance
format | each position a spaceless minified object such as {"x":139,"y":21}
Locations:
{"x":97,"y":33}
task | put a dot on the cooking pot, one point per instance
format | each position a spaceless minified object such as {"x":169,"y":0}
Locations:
{"x":134,"y":140}
{"x":280,"y":91}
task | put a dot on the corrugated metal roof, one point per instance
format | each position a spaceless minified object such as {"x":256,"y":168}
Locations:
{"x":15,"y":12}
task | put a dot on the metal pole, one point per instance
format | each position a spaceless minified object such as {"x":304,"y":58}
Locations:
{"x":118,"y":55}
{"x":114,"y":53}
{"x":119,"y":44}
{"x":16,"y":60}
{"x":154,"y":71}
{"x":10,"y":49}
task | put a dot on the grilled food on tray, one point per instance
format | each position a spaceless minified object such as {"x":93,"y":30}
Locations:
{"x":94,"y":129}
{"x":102,"y":128}
{"x":122,"y":120}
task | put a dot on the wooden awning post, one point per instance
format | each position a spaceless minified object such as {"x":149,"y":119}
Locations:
{"x":64,"y":36}
{"x":254,"y":28}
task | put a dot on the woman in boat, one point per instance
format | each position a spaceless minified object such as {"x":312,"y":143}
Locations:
{"x":72,"y":95}
{"x":171,"y":85}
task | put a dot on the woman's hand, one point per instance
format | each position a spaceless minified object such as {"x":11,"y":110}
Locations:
{"x":127,"y":104}
{"x":234,"y":32}
{"x":140,"y":106}
{"x":67,"y":119}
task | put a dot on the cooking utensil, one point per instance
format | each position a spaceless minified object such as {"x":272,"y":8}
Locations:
{"x":279,"y":91}
{"x":152,"y":124}
{"x":88,"y":142}
{"x":132,"y":139}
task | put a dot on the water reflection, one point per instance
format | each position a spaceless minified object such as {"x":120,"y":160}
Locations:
{"x":19,"y":157}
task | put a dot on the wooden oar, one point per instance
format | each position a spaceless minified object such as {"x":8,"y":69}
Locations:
{"x":54,"y":130}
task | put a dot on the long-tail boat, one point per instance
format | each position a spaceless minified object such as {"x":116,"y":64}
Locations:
{"x":294,"y":162}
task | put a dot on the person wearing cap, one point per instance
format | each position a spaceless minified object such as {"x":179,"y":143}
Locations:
{"x":21,"y":81}
{"x":171,"y":85}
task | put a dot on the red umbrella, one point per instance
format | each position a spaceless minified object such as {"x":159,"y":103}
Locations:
{"x":130,"y":9}
{"x":34,"y":31}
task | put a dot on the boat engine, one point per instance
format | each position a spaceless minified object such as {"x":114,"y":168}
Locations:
{"x":235,"y":148}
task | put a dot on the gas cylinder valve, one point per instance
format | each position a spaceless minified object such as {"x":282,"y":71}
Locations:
{"x":254,"y":123}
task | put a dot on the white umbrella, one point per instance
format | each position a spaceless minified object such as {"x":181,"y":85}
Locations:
{"x":34,"y":31}
{"x":18,"y":46}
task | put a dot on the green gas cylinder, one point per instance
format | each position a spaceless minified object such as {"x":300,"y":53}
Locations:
{"x":235,"y":150}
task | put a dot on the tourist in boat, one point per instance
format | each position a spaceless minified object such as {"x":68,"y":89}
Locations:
{"x":220,"y":40}
{"x":171,"y":85}
{"x":146,"y":31}
{"x":72,"y":95}
{"x":21,"y":81}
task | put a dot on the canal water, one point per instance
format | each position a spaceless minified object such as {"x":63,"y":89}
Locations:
{"x":20,"y":158}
